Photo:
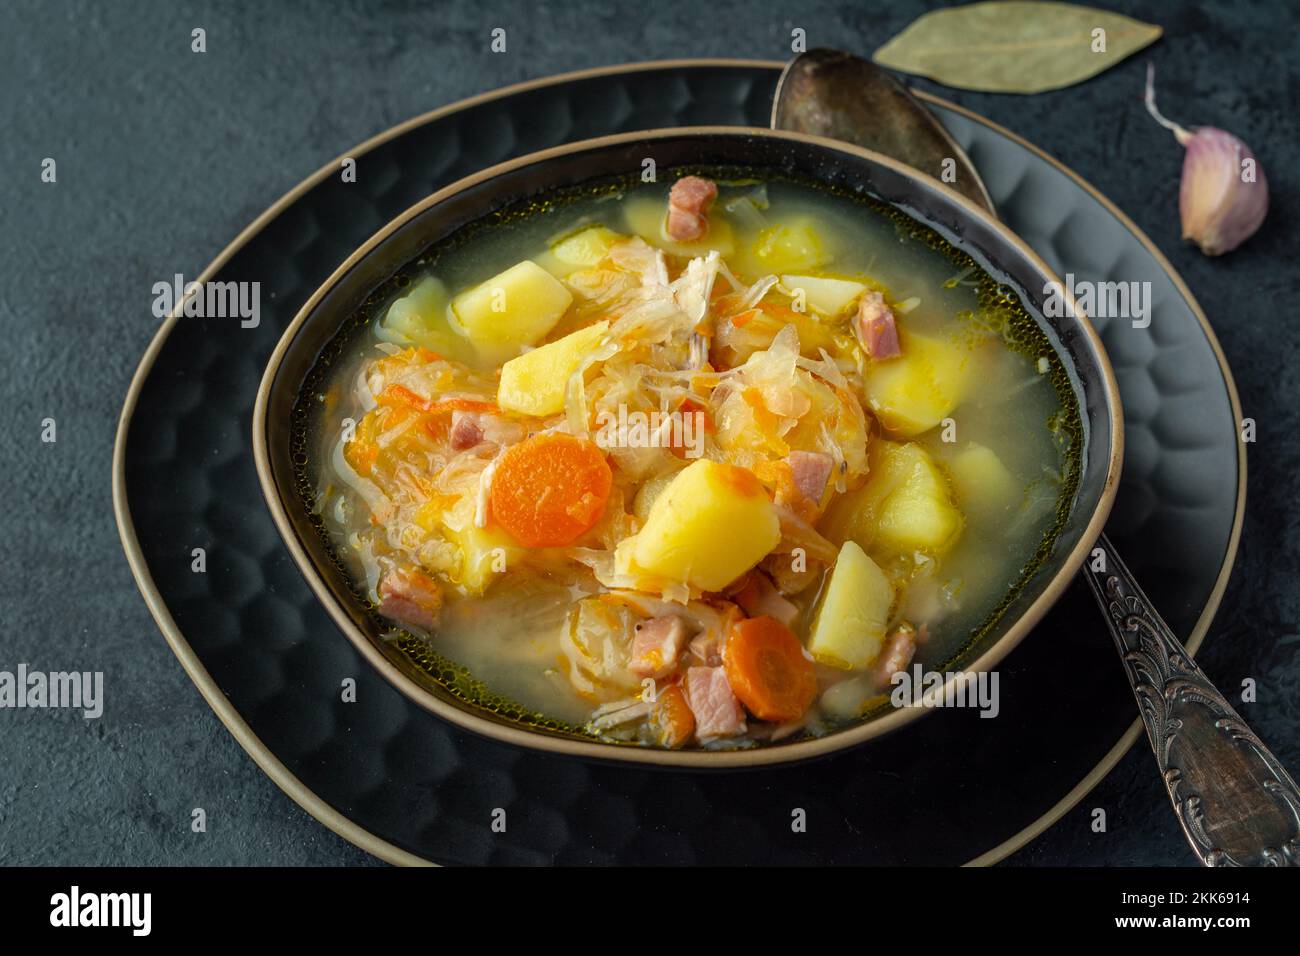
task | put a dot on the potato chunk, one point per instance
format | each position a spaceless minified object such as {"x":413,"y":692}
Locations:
{"x":789,"y":247}
{"x":579,"y":251}
{"x":985,"y":488}
{"x":511,"y":310}
{"x":485,"y":553}
{"x":586,"y":248}
{"x":850,"y":624}
{"x":420,"y":318}
{"x":649,"y":493}
{"x":918,"y":516}
{"x":534,"y":383}
{"x":824,"y":295}
{"x":916,"y":391}
{"x":905,"y":506}
{"x":708,"y":527}
{"x":646,"y":218}
{"x":471,"y":557}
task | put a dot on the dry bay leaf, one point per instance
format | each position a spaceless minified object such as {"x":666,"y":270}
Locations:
{"x":1014,"y":46}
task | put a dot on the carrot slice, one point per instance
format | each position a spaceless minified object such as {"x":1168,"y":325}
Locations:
{"x":767,"y":671}
{"x":672,"y":718}
{"x":550,"y":489}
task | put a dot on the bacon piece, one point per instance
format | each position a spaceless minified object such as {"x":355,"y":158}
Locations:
{"x":798,"y":532}
{"x":717,"y":711}
{"x":410,"y":597}
{"x":688,"y":205}
{"x":875,"y":328}
{"x":469,"y":429}
{"x":707,"y":649}
{"x":466,"y":432}
{"x":781,"y":569}
{"x":656,"y":645}
{"x":811,"y":471}
{"x":759,"y":597}
{"x":897,"y":653}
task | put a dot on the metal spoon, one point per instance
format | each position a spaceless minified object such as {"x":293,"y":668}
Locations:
{"x":1235,"y":802}
{"x":841,"y":96}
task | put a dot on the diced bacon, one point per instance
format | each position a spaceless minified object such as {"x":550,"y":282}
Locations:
{"x":797,"y":531}
{"x":685,"y":226}
{"x":411,"y":597}
{"x":875,"y":328}
{"x":717,"y":712}
{"x":759,"y":597}
{"x":895,"y":655}
{"x":781,"y":568}
{"x":656,"y":645}
{"x":707,"y":648}
{"x":470,"y":429}
{"x":811,"y":470}
{"x":466,"y":432}
{"x":688,"y":204}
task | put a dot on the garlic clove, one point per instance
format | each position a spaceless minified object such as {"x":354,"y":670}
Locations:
{"x":1224,"y":194}
{"x":1223,"y":197}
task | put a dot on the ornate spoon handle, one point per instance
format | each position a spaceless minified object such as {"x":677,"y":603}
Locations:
{"x":1236,"y":804}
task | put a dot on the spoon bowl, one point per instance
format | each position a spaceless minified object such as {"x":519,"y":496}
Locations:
{"x":841,"y":96}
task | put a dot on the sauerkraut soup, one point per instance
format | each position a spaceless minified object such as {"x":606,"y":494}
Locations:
{"x":701,"y":463}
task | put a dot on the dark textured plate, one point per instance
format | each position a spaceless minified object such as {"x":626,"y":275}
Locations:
{"x":409,"y":787}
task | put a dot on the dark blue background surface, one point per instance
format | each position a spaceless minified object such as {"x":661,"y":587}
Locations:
{"x":164,"y":156}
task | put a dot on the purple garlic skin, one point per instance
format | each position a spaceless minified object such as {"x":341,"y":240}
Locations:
{"x":1224,"y":193}
{"x":1219,"y":205}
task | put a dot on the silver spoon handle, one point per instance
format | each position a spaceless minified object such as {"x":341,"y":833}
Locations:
{"x":1235,"y":802}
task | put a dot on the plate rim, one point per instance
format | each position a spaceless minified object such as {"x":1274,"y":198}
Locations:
{"x":317,"y":806}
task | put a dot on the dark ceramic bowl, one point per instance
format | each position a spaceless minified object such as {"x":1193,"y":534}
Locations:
{"x":833,"y":164}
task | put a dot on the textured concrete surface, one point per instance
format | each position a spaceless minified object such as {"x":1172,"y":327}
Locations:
{"x":164,"y":155}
